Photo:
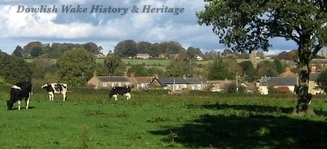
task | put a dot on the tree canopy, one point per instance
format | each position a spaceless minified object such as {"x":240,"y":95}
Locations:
{"x":247,"y":25}
{"x":76,"y":66}
{"x":14,"y":69}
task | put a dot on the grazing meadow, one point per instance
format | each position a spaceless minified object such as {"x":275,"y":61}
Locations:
{"x":153,"y":119}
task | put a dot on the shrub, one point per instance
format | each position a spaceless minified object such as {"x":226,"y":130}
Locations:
{"x":283,"y":90}
{"x":2,"y":80}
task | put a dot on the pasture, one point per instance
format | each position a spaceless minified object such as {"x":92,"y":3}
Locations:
{"x":153,"y":119}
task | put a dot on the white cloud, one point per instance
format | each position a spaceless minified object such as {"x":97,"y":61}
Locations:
{"x":108,"y":29}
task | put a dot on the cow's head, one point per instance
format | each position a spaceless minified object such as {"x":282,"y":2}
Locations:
{"x":10,"y":104}
{"x":45,"y":86}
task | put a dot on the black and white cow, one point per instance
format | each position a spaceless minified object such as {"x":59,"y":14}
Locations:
{"x":55,"y":88}
{"x":18,"y":92}
{"x":123,"y":91}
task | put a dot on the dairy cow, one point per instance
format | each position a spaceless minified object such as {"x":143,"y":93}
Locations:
{"x":123,"y":91}
{"x":55,"y":88}
{"x":18,"y":92}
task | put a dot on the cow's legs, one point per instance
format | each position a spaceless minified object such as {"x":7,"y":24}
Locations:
{"x":128,"y":95}
{"x":18,"y":102}
{"x":115,"y":96}
{"x":51,"y":96}
{"x":28,"y":100}
{"x":64,"y":96}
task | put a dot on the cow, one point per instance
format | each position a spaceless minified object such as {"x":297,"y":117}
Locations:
{"x":18,"y":92}
{"x":123,"y":91}
{"x":55,"y":88}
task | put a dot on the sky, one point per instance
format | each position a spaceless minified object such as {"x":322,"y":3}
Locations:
{"x":82,"y":21}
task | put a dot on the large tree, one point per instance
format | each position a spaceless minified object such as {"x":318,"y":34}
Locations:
{"x":14,"y":69}
{"x":113,"y":62}
{"x":76,"y":66}
{"x":250,"y":24}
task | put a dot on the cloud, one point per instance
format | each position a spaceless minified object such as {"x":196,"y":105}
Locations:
{"x":107,"y":29}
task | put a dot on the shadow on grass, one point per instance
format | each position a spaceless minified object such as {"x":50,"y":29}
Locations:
{"x":254,"y":131}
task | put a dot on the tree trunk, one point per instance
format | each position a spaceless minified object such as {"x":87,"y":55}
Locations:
{"x":304,"y":97}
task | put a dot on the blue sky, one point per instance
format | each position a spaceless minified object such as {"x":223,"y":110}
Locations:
{"x":108,"y":29}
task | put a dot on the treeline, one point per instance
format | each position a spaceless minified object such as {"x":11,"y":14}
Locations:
{"x":55,"y":50}
{"x":126,"y":48}
{"x":130,"y":48}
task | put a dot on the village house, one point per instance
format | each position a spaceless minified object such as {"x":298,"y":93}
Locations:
{"x":199,"y":58}
{"x":141,"y":83}
{"x":220,"y":85}
{"x":177,"y":84}
{"x":313,"y":86}
{"x":143,"y":56}
{"x":99,"y":82}
{"x":286,"y":79}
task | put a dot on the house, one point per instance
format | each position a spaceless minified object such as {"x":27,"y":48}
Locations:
{"x":199,"y":58}
{"x":176,"y":84}
{"x":108,"y":81}
{"x":276,"y":82}
{"x":141,"y":83}
{"x":143,"y":56}
{"x":220,"y":85}
{"x":161,"y":56}
{"x":287,"y":79}
{"x":288,"y":74}
{"x":313,"y":86}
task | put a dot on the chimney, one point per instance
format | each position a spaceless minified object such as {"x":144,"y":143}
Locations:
{"x":94,"y":74}
{"x":184,"y":76}
{"x":125,"y":73}
{"x":200,"y":77}
{"x":156,"y":76}
{"x":132,"y":75}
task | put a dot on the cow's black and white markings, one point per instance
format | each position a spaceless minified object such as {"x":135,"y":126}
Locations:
{"x":123,"y":91}
{"x":56,"y":88}
{"x":18,"y":92}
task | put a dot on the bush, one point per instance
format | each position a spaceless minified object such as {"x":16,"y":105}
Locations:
{"x":2,"y":80}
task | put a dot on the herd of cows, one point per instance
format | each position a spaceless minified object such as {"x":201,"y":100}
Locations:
{"x":23,"y":91}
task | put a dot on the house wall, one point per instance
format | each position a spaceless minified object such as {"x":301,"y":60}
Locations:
{"x":264,"y":89}
{"x":195,"y":86}
{"x":176,"y":86}
{"x":313,"y":88}
{"x":112,"y":84}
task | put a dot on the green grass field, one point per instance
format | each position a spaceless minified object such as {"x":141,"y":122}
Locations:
{"x":153,"y":119}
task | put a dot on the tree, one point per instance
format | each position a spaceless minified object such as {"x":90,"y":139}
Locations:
{"x":248,"y":71}
{"x":193,"y":52}
{"x":279,"y":66}
{"x":30,"y":46}
{"x":248,"y":25}
{"x":42,"y":65}
{"x":112,"y":62}
{"x":18,"y":51}
{"x":126,"y":48}
{"x":180,"y":66}
{"x":14,"y":69}
{"x":76,"y":66}
{"x":92,"y":47}
{"x":267,"y":68}
{"x":139,"y":70}
{"x":219,"y":71}
{"x":36,"y":51}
